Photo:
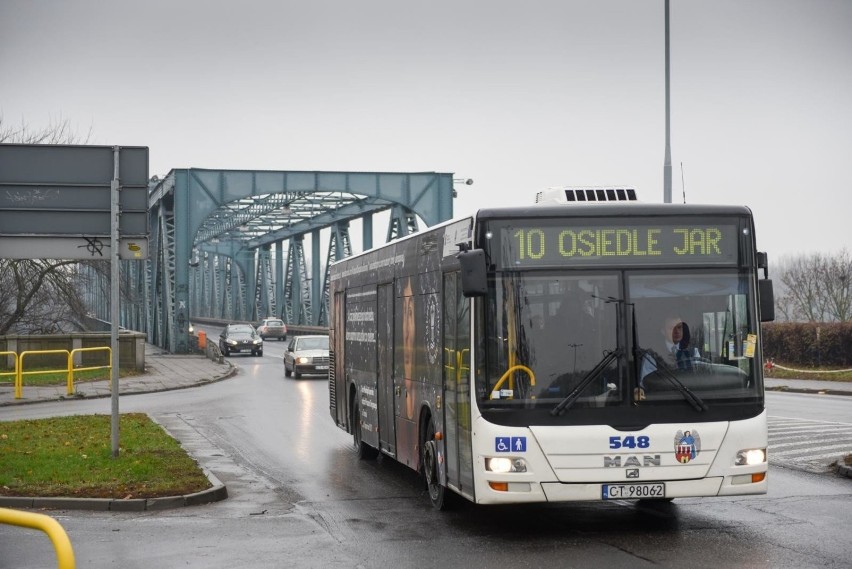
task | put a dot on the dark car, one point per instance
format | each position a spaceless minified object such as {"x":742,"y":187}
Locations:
{"x":240,"y":338}
{"x":272,"y":328}
{"x":306,"y":354}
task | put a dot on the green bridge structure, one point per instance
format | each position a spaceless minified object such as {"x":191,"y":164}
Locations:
{"x":229,"y":244}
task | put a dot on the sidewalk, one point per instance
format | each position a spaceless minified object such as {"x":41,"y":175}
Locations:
{"x":808,"y":386}
{"x":163,"y":371}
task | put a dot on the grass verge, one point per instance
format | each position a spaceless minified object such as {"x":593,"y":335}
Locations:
{"x":72,"y":457}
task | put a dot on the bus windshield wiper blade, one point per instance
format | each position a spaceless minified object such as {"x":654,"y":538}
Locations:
{"x":589,"y":377}
{"x":691,"y":397}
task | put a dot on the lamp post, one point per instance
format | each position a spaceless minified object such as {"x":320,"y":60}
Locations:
{"x":667,"y":163}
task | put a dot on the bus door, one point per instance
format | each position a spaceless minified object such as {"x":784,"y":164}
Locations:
{"x":384,"y":368}
{"x":456,"y":385}
{"x":336,"y":376}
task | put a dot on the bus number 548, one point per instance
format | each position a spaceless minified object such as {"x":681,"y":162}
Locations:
{"x":630,"y":441}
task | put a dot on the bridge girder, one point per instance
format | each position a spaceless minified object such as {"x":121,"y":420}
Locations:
{"x":232,"y":218}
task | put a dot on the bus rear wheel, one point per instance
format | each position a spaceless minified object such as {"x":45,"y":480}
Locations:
{"x":439,"y":495}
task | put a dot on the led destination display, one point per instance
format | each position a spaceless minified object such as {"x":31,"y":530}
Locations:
{"x":555,"y":242}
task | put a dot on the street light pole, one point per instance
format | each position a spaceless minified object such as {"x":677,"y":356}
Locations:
{"x":667,"y":164}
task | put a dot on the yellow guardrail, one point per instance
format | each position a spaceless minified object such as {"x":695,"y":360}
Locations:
{"x":69,"y":368}
{"x":13,"y":373}
{"x":72,"y":369}
{"x":53,"y":529}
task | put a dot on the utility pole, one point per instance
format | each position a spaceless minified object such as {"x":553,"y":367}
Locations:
{"x":667,"y":164}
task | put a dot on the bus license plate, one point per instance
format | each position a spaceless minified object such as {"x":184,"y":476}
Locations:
{"x":627,"y":491}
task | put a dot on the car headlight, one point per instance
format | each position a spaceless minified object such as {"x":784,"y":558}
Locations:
{"x":502,"y":464}
{"x":303,"y":360}
{"x":258,"y":341}
{"x":232,"y":342}
{"x":749,"y":457}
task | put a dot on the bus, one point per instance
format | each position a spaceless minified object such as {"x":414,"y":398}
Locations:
{"x":598,"y":348}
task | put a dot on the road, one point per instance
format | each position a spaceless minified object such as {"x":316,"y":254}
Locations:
{"x":300,"y":498}
{"x":807,"y":431}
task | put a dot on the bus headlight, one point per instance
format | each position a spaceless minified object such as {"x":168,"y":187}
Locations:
{"x":750,"y":457}
{"x":503,"y":464}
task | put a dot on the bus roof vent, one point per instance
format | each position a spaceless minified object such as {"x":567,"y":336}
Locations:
{"x":585,"y":195}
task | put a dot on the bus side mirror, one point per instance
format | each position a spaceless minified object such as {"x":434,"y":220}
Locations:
{"x":767,"y":300}
{"x":473,"y":273}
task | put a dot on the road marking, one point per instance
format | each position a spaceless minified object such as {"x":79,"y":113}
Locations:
{"x":807,"y":444}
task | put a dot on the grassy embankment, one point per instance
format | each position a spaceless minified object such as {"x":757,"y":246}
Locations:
{"x":72,"y":457}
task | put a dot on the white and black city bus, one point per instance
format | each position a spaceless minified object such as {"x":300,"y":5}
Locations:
{"x":593,"y":350}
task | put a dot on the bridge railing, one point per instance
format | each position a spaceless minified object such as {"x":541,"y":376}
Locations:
{"x":294,"y":329}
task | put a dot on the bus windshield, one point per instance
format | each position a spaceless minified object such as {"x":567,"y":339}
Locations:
{"x":544,"y":333}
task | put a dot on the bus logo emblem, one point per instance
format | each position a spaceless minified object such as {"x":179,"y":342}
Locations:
{"x":687,"y":445}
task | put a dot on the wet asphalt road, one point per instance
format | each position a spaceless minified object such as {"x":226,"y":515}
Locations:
{"x":300,"y":498}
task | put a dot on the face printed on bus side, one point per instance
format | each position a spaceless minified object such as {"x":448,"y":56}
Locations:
{"x":408,"y":333}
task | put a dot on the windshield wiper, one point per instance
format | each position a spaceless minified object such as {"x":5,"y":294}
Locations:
{"x":664,"y":371}
{"x":587,"y":379}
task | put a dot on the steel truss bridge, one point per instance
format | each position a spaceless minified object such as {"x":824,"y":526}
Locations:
{"x":229,"y":244}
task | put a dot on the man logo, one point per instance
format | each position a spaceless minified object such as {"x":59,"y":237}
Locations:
{"x":631,"y":460}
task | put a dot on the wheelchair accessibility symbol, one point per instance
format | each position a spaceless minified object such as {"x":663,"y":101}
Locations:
{"x":510,"y":444}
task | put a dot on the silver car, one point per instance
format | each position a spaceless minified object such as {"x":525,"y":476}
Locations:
{"x":272,"y":328}
{"x":306,"y":355}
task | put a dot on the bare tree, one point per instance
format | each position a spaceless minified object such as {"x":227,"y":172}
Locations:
{"x":816,"y":288}
{"x":57,"y":131}
{"x":838,"y":287}
{"x":38,"y":296}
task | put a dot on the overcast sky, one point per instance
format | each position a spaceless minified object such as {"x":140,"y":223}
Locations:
{"x":519,"y":96}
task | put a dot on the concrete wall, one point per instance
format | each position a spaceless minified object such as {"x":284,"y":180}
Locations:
{"x":131,"y":348}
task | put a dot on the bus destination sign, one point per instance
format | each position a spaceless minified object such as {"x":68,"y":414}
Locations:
{"x":556,"y":242}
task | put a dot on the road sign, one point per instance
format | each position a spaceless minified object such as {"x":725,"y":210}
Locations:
{"x":90,"y":248}
{"x":49,"y":193}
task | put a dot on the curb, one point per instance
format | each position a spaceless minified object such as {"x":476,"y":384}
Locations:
{"x":232,"y":370}
{"x":785,"y":388}
{"x":216,"y":493}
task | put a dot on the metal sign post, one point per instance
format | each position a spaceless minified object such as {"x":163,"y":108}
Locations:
{"x":114,"y":296}
{"x":68,"y":202}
